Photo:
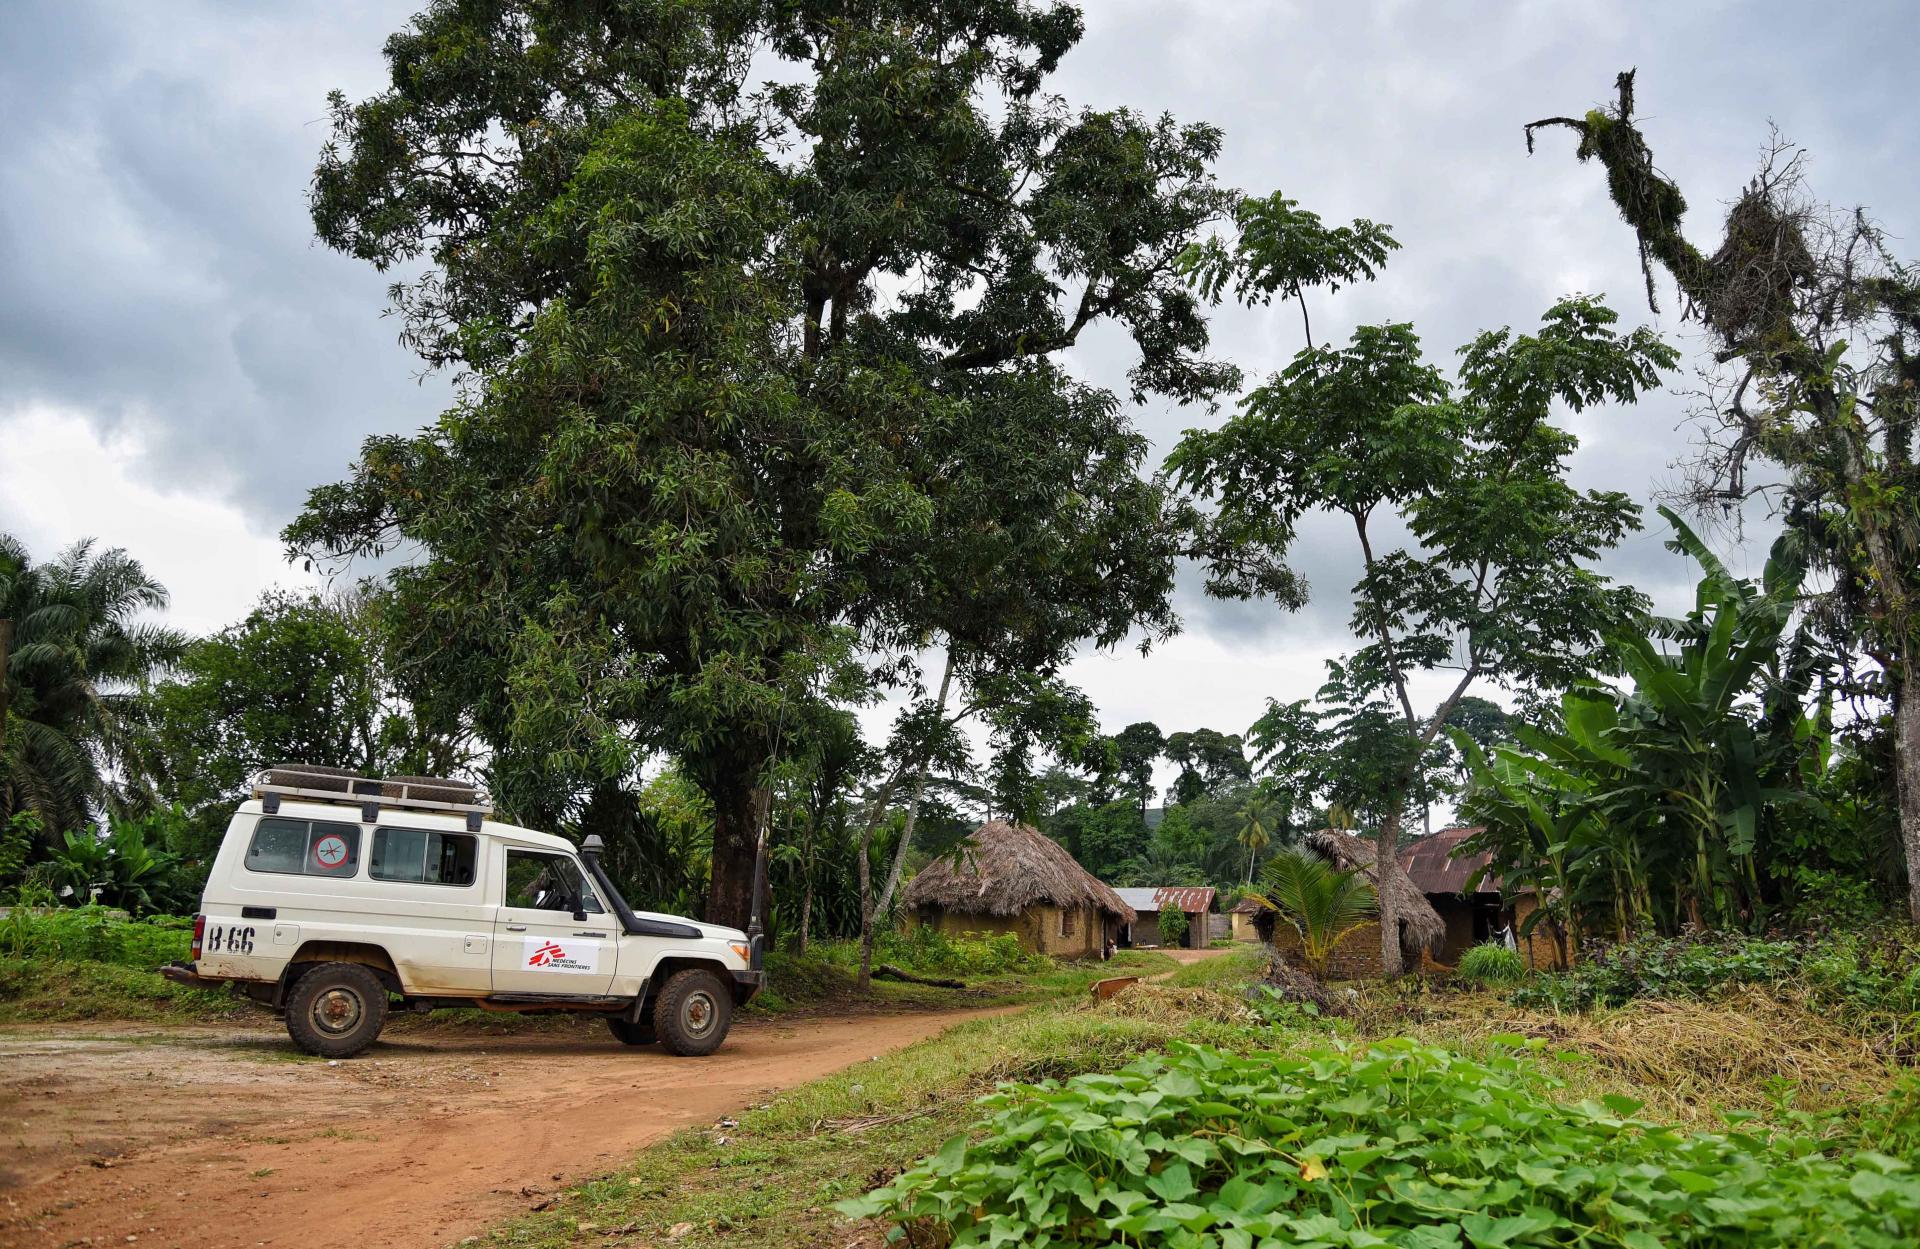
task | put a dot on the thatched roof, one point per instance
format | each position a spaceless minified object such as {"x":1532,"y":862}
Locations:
{"x":1006,"y":868}
{"x":1420,"y":925}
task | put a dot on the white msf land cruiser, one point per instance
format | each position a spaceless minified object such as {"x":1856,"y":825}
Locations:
{"x":334,"y":893}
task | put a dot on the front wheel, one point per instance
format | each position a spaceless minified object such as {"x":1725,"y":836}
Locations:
{"x":336,"y":1010}
{"x":693,"y":1013}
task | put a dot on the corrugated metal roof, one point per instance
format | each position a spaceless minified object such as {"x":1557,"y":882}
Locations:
{"x":1191,"y":899}
{"x":1433,"y":866}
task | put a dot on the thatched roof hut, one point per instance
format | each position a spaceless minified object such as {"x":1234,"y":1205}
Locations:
{"x":1007,"y":869}
{"x":1421,"y":927}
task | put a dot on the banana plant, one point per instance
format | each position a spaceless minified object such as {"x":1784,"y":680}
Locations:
{"x":1702,"y":777}
{"x":1650,"y":806}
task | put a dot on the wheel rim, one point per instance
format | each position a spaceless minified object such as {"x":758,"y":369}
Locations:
{"x":700,"y":1013}
{"x":337,"y":1010}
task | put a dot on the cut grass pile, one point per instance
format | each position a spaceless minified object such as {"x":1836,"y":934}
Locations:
{"x":1742,"y":1050}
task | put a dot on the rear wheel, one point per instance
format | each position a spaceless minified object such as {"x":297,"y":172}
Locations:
{"x":630,"y":1032}
{"x":693,"y":1013}
{"x":336,"y":1010}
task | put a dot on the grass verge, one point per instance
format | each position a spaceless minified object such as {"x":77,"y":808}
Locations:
{"x":770,"y":1179}
{"x":72,"y":991}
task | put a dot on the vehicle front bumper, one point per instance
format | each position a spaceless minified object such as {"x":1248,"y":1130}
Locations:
{"x":747,"y":984}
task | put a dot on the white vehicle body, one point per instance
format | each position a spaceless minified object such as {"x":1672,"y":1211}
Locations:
{"x":445,"y":908}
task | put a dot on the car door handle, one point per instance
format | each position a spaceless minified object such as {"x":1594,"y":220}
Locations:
{"x":589,"y":934}
{"x":516,"y":927}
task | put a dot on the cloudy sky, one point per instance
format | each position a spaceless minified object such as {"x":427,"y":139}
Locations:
{"x":180,"y":362}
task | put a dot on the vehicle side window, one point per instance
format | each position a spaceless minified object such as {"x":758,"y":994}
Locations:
{"x":304,"y":847}
{"x":418,"y":856}
{"x":539,"y":881}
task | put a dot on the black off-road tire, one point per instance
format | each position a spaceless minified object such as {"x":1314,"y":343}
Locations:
{"x":629,"y":1032}
{"x":693,"y":1013}
{"x":336,"y":1010}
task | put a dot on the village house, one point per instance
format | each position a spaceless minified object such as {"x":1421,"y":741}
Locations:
{"x":1011,"y":878}
{"x":1195,"y":902}
{"x":1474,"y":910}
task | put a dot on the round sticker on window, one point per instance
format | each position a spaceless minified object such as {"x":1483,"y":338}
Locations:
{"x":330,"y":851}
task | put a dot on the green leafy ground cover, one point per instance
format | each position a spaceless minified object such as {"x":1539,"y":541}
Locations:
{"x":1807,"y":1100}
{"x":1392,"y":1144}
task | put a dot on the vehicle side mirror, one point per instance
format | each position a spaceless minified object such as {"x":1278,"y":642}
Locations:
{"x":579,"y":913}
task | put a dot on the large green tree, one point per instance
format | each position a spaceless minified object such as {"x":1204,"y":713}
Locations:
{"x":302,"y":678}
{"x":1136,"y":749}
{"x":1485,"y":574}
{"x":74,"y":650}
{"x":1817,"y":324}
{"x":1208,"y":761}
{"x":737,"y":361}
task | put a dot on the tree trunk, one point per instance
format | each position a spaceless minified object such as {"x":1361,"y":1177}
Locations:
{"x":1906,"y":765}
{"x":806,"y":907}
{"x":736,"y":835}
{"x":6,"y":653}
{"x":885,"y":900}
{"x":1385,"y":865}
{"x":806,"y":877}
{"x":876,"y":812}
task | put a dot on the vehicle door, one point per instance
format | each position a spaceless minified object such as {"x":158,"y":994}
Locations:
{"x":553,"y":934}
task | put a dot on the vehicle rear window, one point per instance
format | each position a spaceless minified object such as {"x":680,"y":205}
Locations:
{"x":304,"y":847}
{"x":421,"y":857}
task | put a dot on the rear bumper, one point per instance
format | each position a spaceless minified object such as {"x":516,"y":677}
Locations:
{"x":748,"y":983}
{"x":188,"y":975}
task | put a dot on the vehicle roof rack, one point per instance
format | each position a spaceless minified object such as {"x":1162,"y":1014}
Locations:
{"x":346,"y":788}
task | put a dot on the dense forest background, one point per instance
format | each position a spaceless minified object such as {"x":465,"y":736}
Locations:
{"x":762,"y":420}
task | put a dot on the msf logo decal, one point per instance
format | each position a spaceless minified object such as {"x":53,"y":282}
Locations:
{"x":541,"y":954}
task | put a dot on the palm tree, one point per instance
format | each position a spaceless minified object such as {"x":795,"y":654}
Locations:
{"x":73,"y":657}
{"x":1321,"y":901}
{"x":1256,"y":828}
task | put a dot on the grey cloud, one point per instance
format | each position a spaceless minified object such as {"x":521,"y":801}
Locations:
{"x":160,"y":270}
{"x":161,"y":273}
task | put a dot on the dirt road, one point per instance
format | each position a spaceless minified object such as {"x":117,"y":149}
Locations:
{"x":217,"y":1137}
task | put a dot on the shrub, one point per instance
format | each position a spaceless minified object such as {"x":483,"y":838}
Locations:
{"x":1663,"y":967}
{"x":1173,"y":925}
{"x":94,"y":934}
{"x":1492,"y":964}
{"x":932,"y":952}
{"x":1396,"y":1145}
